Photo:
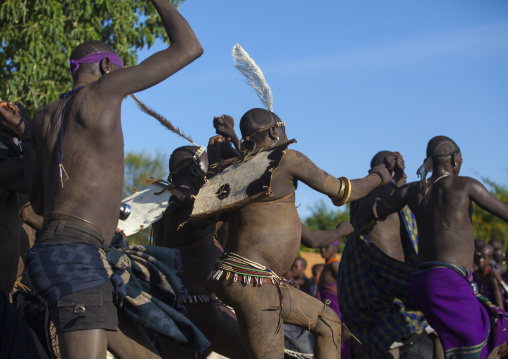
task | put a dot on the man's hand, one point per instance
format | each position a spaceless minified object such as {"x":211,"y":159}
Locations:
{"x":220,"y":148}
{"x":382,"y":172}
{"x":398,"y":170}
{"x":344,"y":229}
{"x":225,"y":126}
{"x":11,"y":117}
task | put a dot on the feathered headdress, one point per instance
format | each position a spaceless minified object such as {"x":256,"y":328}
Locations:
{"x":253,"y":76}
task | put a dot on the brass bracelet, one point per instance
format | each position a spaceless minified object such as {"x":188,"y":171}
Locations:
{"x":339,"y":201}
{"x":339,"y":194}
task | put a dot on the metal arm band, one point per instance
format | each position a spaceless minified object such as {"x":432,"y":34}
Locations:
{"x":344,"y":192}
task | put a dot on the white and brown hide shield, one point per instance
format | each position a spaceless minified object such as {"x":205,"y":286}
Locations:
{"x":147,"y":206}
{"x":242,"y":183}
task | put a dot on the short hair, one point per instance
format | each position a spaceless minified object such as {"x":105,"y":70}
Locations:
{"x":317,"y":267}
{"x":180,"y":156}
{"x":378,"y":159}
{"x":496,"y":243}
{"x":89,"y":48}
{"x":441,"y":146}
{"x":304,"y":262}
{"x":255,"y":119}
{"x":478,"y":243}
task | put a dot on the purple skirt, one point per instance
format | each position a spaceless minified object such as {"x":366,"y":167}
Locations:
{"x":467,"y":327}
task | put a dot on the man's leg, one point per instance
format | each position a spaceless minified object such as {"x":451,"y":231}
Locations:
{"x":130,"y":341}
{"x":258,"y":317}
{"x":306,"y":311}
{"x":219,"y":324}
{"x":83,"y":344}
{"x":83,"y":319}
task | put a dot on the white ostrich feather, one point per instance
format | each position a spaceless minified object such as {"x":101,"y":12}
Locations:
{"x":253,"y":75}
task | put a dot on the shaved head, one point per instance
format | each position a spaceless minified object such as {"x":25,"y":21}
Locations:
{"x":441,"y":146}
{"x":180,"y":156}
{"x":89,"y":48}
{"x":255,"y":119}
{"x":378,"y":159}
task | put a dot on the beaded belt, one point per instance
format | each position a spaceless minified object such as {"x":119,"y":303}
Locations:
{"x":233,"y":267}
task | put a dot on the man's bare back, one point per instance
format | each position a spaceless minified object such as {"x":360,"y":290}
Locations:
{"x":440,"y":283}
{"x":443,"y":214}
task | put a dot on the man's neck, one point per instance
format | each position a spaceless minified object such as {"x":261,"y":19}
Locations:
{"x":442,"y":171}
{"x":85,"y":79}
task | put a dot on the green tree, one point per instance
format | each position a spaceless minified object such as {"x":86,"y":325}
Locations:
{"x":487,"y":226}
{"x":324,"y":218}
{"x":140,"y":167}
{"x":37,"y":38}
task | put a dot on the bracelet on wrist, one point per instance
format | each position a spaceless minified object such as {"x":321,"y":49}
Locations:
{"x":380,"y":176}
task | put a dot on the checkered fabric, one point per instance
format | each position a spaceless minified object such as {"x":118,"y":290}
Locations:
{"x":373,"y":291}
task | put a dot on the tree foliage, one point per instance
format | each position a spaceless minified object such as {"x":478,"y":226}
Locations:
{"x":324,"y":218}
{"x":37,"y":38}
{"x":487,"y":226}
{"x":140,"y":167}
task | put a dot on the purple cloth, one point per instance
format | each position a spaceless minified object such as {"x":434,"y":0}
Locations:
{"x":443,"y":293}
{"x":329,"y":291}
{"x":94,"y":58}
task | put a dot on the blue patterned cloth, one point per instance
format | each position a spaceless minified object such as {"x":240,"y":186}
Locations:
{"x":149,"y":290}
{"x":373,"y":291}
{"x":58,"y":269}
{"x":146,"y":284}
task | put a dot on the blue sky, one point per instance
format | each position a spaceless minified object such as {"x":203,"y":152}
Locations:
{"x":350,"y":78}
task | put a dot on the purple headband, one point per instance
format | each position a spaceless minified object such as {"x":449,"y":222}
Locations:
{"x":336,"y":243}
{"x":94,"y":58}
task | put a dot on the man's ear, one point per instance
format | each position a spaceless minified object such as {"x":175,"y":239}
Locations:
{"x":272,"y":133}
{"x":105,"y":66}
{"x":195,"y":170}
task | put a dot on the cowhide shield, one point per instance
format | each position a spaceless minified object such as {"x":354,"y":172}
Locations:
{"x":240,"y":184}
{"x":147,"y":207}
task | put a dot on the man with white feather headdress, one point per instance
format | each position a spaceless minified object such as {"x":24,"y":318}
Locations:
{"x":264,"y":238}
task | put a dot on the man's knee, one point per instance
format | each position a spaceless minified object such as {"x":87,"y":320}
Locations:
{"x":328,"y":323}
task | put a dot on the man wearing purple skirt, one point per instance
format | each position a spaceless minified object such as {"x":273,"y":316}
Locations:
{"x":468,"y":325}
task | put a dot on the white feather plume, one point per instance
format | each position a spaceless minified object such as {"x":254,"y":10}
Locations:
{"x":253,"y":75}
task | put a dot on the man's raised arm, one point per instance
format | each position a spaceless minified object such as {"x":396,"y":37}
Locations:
{"x":184,"y":49}
{"x":486,"y":201}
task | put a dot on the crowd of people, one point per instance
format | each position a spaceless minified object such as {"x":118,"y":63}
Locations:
{"x":216,"y":279}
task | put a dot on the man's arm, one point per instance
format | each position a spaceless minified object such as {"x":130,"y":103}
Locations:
{"x":486,"y":201}
{"x":184,"y":49}
{"x":335,"y":269}
{"x":306,"y":171}
{"x":321,"y":238}
{"x":225,"y":126}
{"x":390,"y":204}
{"x":18,"y":120}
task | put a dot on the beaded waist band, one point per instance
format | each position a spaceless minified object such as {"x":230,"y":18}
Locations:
{"x":236,"y":268}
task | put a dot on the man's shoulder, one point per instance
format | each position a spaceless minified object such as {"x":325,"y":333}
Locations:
{"x":44,"y":113}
